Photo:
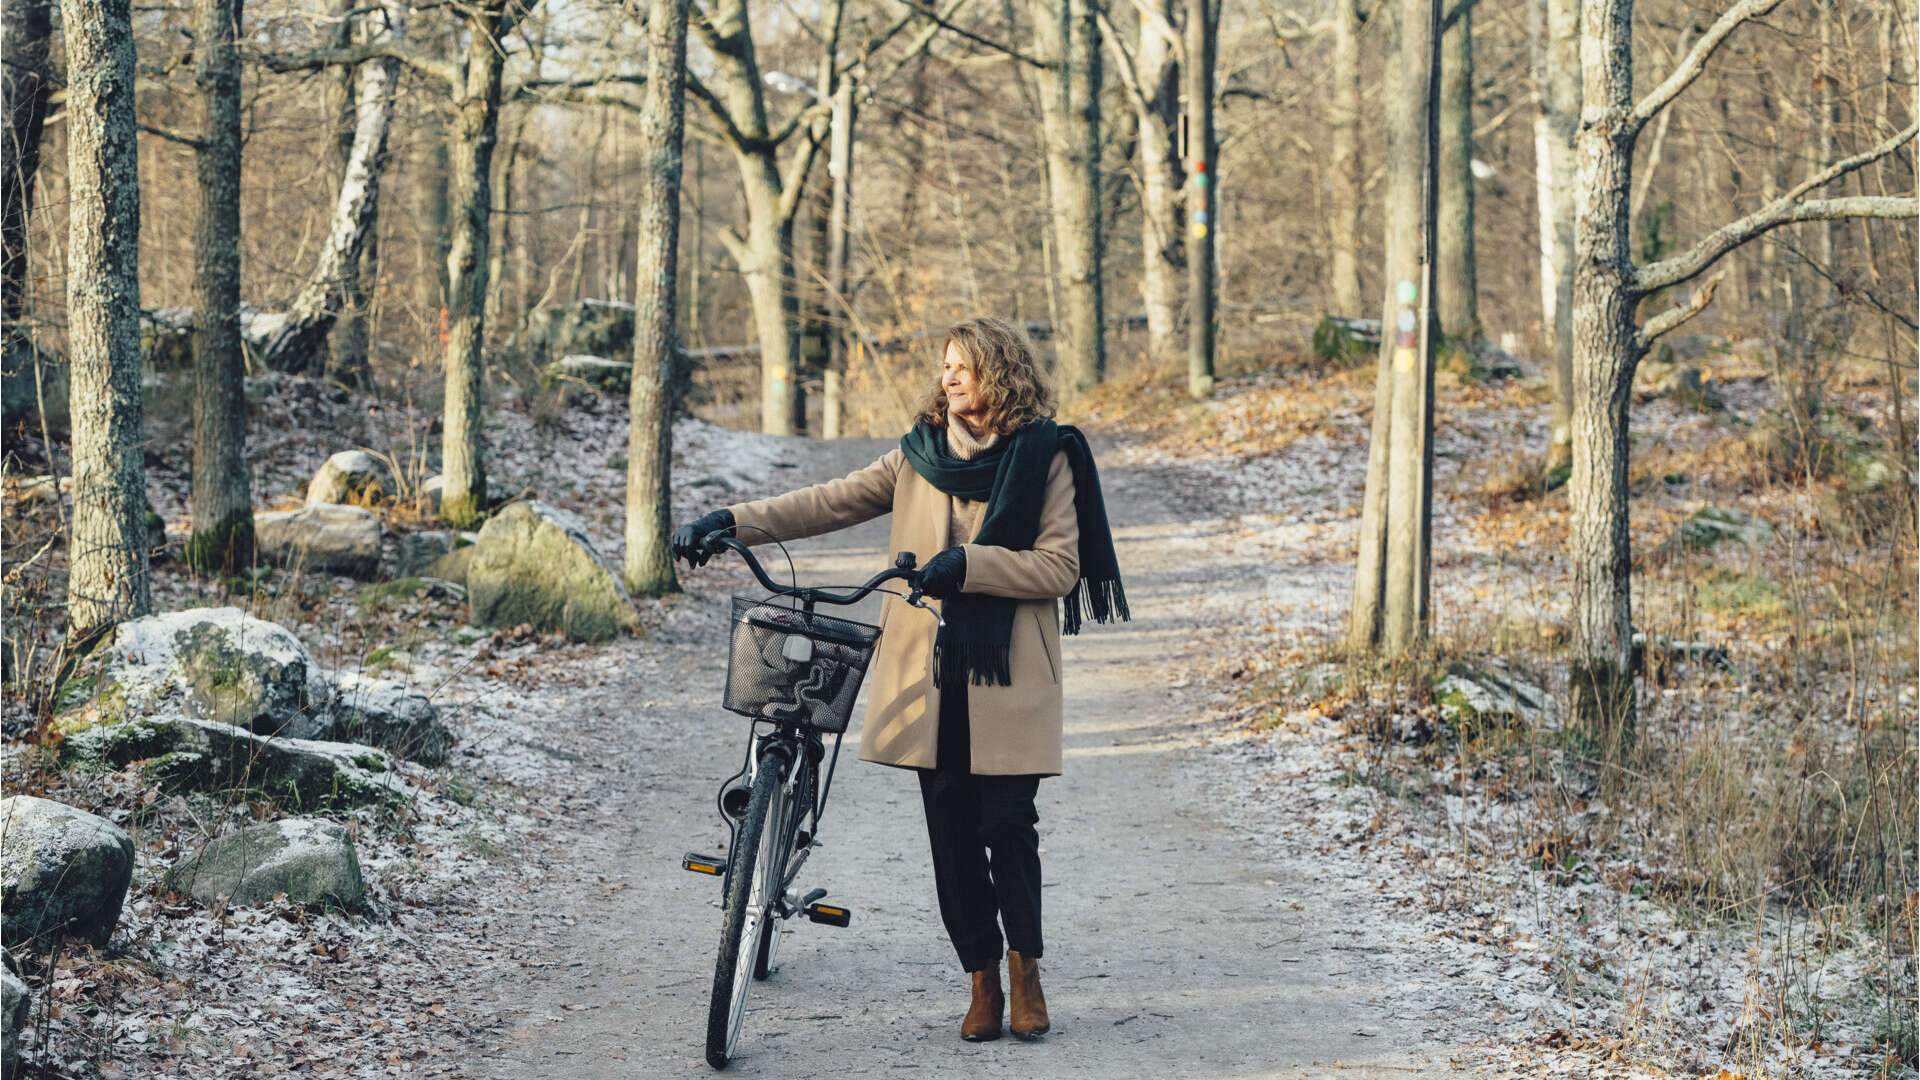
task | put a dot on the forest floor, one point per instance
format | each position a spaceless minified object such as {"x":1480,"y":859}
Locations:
{"x":1243,"y":878}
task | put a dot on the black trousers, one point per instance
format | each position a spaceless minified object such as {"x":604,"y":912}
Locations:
{"x":986,"y":851}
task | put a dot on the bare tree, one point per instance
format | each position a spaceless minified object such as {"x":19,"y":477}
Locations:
{"x":839,"y":254}
{"x":1067,"y":41}
{"x":1459,"y":292}
{"x":1150,"y":72}
{"x":27,"y":83}
{"x":656,"y":346}
{"x":1390,"y":584}
{"x":1203,"y":193}
{"x":222,"y":500}
{"x":1556,"y":55}
{"x":1610,"y":339}
{"x":1348,"y":181}
{"x":107,"y":577}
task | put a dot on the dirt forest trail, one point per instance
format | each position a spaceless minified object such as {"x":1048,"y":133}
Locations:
{"x":1173,"y":950}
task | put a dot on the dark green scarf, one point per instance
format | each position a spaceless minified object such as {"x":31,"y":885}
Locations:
{"x":1011,"y":478}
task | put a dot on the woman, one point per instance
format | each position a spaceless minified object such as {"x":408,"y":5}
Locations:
{"x":1002,"y":509}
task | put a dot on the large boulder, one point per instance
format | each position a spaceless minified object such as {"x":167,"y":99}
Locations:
{"x":324,"y":538}
{"x":181,"y":753}
{"x":349,"y":476}
{"x":416,"y":553}
{"x":1475,"y":696}
{"x":590,"y":327}
{"x":13,"y":1017}
{"x":599,"y":373}
{"x":534,"y":564}
{"x":311,"y":860}
{"x":217,"y":664}
{"x":387,"y":714}
{"x":1712,"y":525}
{"x":62,"y":870}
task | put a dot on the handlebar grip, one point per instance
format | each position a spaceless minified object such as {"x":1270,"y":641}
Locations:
{"x":905,"y":560}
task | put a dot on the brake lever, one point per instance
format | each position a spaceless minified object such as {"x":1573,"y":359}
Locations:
{"x":914,"y":597}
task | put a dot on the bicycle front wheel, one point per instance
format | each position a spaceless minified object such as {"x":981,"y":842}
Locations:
{"x":751,"y":885}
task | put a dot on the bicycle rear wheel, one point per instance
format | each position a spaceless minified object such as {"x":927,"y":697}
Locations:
{"x":751,"y":885}
{"x":791,"y":803}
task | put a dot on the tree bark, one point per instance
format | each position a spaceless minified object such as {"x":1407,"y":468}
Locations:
{"x":1343,"y":222}
{"x":107,"y":579}
{"x":222,"y":498}
{"x":27,"y":84}
{"x":1203,"y":195}
{"x":1459,"y":292}
{"x":656,"y":349}
{"x":1390,"y":585}
{"x":1068,"y":39}
{"x":470,"y":184}
{"x":1558,"y":84}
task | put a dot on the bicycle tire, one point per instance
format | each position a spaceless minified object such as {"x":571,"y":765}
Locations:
{"x":727,"y":1007}
{"x":795,"y":799}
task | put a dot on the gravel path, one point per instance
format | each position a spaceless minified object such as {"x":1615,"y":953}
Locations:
{"x":1172,"y":951}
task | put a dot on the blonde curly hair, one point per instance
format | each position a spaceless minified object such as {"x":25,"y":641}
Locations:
{"x":1006,"y":370}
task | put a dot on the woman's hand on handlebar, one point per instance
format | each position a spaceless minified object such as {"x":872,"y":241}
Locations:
{"x":689,"y":541}
{"x":943,"y":574}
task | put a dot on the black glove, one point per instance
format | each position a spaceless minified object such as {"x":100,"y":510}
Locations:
{"x":687,"y":538}
{"x":944,"y":573}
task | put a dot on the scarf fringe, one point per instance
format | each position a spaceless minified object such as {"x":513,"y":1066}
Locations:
{"x":987,"y":664}
{"x":1099,"y":600}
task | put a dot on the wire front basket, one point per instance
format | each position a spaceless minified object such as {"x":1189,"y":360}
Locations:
{"x":796,"y":666}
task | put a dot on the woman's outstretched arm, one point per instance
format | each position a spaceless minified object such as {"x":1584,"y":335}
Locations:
{"x":861,"y":495}
{"x":1051,"y":567}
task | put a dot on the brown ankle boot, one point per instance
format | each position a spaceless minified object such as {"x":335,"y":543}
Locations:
{"x":982,"y":1022}
{"x":1029,"y":1013}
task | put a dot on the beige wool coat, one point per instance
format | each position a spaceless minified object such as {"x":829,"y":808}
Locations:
{"x":1014,"y":729}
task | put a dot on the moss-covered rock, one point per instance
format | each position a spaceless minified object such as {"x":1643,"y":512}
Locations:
{"x":62,"y":871}
{"x":13,"y":1018}
{"x":387,"y":714}
{"x":322,"y":538}
{"x":181,"y":753}
{"x":310,"y":860}
{"x":1712,"y":525}
{"x":534,"y":564}
{"x":350,"y":476}
{"x":599,"y":373}
{"x":1469,"y":696}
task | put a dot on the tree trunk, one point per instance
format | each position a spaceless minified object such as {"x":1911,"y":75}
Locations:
{"x":1203,"y":195}
{"x":222,"y":499}
{"x":839,"y":252}
{"x":1390,"y":585}
{"x":1558,"y":82}
{"x":1458,"y":293}
{"x":333,"y":291}
{"x":1162,"y":239}
{"x":26,"y":82}
{"x":107,"y":579}
{"x":470,"y":184}
{"x":656,"y":350}
{"x":1069,"y":38}
{"x":1606,"y":351}
{"x":1343,"y":224}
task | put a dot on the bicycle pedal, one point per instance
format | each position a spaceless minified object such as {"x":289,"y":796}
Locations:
{"x":831,"y":914}
{"x":704,"y":864}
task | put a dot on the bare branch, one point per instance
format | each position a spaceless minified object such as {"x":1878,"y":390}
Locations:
{"x":1129,"y":73}
{"x":1785,"y":210}
{"x":313,"y":59}
{"x":1671,"y":319}
{"x":942,"y":21}
{"x":1695,"y":61}
{"x":173,"y":137}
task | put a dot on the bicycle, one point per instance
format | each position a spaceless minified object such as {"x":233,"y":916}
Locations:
{"x":799,"y":671}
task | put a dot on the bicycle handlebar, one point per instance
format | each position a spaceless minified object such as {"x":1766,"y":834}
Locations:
{"x":903,"y":569}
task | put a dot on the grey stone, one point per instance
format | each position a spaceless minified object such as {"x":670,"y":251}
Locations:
{"x":387,"y":714}
{"x":1711,"y":525}
{"x":349,"y":476}
{"x":1469,"y":695}
{"x":534,"y":564}
{"x":61,"y":870}
{"x":311,"y":860}
{"x":322,"y":538}
{"x":607,"y":376}
{"x":218,"y":664}
{"x":416,"y":553}
{"x":181,"y":753}
{"x":13,"y":1017}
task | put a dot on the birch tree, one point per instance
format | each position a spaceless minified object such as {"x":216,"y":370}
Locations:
{"x":1556,"y":54}
{"x":1203,"y":192}
{"x":1390,"y":584}
{"x":1610,"y":337}
{"x":1348,"y":181}
{"x":222,"y":496}
{"x":107,"y":576}
{"x":1067,"y":41}
{"x":656,"y":346}
{"x":1150,"y":73}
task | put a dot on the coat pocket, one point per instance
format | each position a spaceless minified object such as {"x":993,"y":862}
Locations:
{"x":1047,"y":650}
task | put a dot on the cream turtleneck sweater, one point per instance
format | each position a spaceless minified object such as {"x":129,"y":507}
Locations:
{"x":964,"y":445}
